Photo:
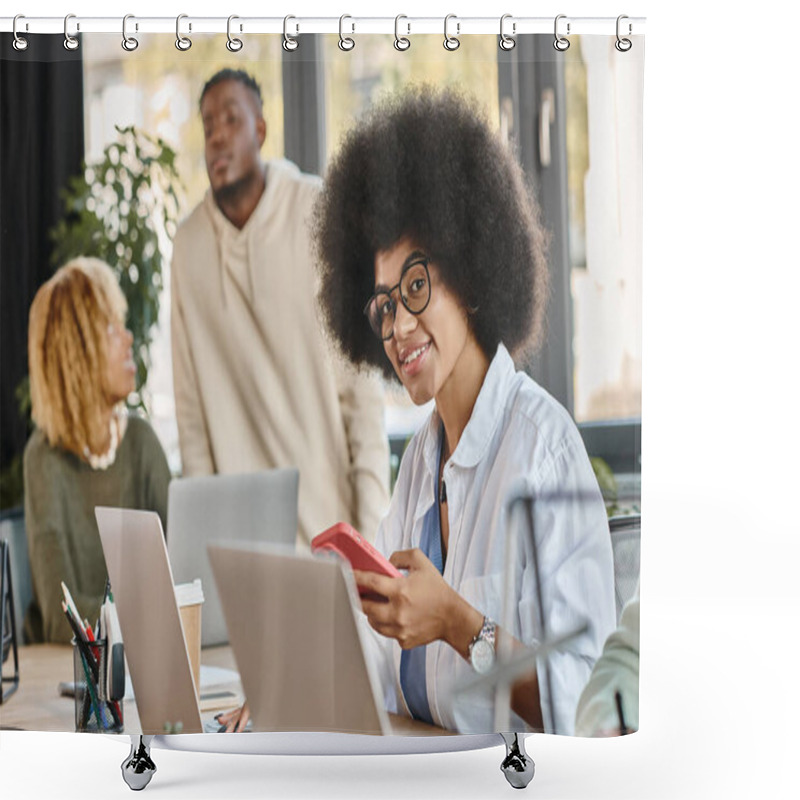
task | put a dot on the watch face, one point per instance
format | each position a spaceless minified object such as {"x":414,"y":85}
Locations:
{"x":482,"y":656}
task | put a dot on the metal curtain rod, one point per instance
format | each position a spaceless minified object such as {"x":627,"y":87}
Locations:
{"x":407,"y":25}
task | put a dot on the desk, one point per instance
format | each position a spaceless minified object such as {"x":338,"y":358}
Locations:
{"x":37,"y":706}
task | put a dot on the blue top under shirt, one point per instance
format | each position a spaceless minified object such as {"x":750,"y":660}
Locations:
{"x":412,"y":662}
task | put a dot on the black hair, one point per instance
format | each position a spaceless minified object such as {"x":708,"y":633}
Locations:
{"x":238,"y":75}
{"x":424,"y":164}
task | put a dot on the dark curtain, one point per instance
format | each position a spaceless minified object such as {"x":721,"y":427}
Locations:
{"x":41,"y":146}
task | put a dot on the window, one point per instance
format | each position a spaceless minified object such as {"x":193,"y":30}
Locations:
{"x":374,"y":67}
{"x":604,"y":185}
{"x":576,"y":120}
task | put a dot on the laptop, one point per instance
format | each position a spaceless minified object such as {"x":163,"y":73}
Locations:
{"x":144,"y":596}
{"x":296,"y":642}
{"x":257,"y":506}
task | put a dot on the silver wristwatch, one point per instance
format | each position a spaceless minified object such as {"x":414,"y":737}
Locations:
{"x":481,"y":649}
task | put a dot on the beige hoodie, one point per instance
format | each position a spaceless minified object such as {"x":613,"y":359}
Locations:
{"x":257,"y":383}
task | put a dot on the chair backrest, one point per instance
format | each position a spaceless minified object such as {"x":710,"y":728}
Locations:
{"x":8,"y":630}
{"x":12,"y":529}
{"x":625,"y":542}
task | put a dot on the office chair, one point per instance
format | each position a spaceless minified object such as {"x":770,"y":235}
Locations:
{"x":625,"y":542}
{"x":8,"y":624}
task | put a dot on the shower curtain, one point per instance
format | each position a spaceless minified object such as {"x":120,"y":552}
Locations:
{"x":163,"y":159}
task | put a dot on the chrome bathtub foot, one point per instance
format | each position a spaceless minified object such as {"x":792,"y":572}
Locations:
{"x":517,"y":766}
{"x":138,"y":768}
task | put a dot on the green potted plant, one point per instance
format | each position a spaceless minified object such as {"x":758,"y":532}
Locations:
{"x":124,"y":210}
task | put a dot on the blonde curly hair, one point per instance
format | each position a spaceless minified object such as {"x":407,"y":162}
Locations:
{"x":67,"y":354}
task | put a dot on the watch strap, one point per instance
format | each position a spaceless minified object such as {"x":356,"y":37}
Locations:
{"x":487,"y":632}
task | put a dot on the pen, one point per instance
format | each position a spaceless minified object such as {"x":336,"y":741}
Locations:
{"x":116,"y":712}
{"x":90,"y":688}
{"x":91,"y":637}
{"x":623,"y":730}
{"x":86,"y":708}
{"x":80,"y":640}
{"x":72,"y":607}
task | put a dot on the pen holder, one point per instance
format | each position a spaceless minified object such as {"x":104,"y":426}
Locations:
{"x":95,"y":712}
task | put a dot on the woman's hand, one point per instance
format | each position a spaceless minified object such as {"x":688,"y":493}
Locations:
{"x":234,"y":721}
{"x":422,"y":607}
{"x":419,"y":608}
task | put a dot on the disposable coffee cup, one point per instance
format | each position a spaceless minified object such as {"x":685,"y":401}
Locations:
{"x":190,"y":604}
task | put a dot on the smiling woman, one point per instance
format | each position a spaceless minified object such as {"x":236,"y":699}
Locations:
{"x":426,"y":211}
{"x":86,"y":450}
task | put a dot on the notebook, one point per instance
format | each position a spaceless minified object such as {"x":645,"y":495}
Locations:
{"x":294,"y":635}
{"x":257,"y":506}
{"x":144,"y":596}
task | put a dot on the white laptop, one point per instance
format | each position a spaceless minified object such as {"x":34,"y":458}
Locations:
{"x":294,"y":635}
{"x":144,"y":596}
{"x":257,"y":506}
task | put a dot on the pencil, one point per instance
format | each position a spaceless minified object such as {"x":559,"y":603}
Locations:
{"x":623,"y":729}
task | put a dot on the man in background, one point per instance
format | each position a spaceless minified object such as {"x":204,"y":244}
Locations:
{"x":256,"y":384}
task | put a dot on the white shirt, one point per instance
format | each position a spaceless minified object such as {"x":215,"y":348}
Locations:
{"x":518,"y":439}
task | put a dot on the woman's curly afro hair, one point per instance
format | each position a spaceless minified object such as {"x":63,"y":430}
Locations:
{"x":425,"y":164}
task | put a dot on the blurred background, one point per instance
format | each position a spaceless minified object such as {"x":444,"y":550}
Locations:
{"x":107,"y":149}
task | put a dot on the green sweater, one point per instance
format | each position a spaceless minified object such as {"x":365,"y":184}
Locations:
{"x":61,"y":492}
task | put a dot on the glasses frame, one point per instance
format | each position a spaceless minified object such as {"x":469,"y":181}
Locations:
{"x":424,"y":260}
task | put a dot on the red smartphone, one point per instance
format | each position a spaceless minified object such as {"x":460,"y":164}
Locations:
{"x":347,"y":542}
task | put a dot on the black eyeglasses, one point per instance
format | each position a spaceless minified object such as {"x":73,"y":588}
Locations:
{"x":415,"y":294}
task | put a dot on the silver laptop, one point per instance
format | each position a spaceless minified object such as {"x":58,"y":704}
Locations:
{"x":295,"y":638}
{"x":257,"y":506}
{"x":144,"y":595}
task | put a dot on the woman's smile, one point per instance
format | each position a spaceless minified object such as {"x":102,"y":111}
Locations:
{"x":412,"y":359}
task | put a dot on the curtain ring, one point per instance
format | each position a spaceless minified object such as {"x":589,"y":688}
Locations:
{"x":233,"y":44}
{"x":183,"y":43}
{"x":507,"y":42}
{"x":129,"y":43}
{"x":20,"y":42}
{"x":400,"y":42}
{"x":560,"y":43}
{"x":623,"y":45}
{"x":346,"y":43}
{"x":290,"y":43}
{"x":70,"y":42}
{"x":451,"y":43}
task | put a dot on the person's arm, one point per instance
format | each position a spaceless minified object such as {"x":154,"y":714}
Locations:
{"x":47,"y":529}
{"x":361,"y":404}
{"x":616,"y":671}
{"x":235,"y":720}
{"x":421,"y":607}
{"x":196,"y":456}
